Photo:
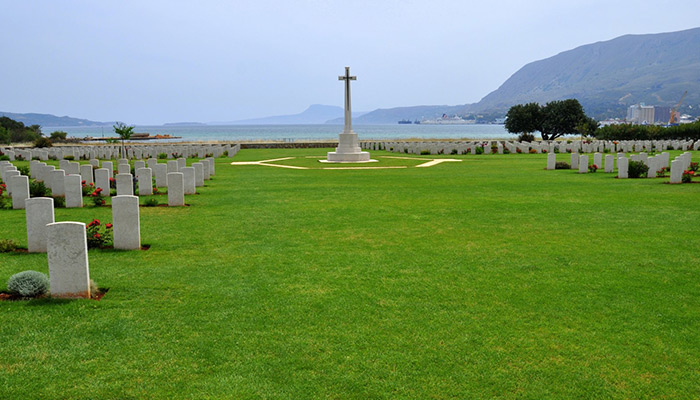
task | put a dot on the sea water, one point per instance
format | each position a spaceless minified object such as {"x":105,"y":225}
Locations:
{"x":297,"y":133}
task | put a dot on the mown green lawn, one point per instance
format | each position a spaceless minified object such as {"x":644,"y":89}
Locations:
{"x":489,"y":278}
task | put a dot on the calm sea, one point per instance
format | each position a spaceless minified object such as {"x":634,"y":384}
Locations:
{"x":298,"y":132}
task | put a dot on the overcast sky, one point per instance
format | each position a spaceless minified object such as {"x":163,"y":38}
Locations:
{"x":150,"y":62}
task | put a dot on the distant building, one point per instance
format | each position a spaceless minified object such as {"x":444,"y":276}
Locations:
{"x":640,"y":114}
{"x":662,"y":114}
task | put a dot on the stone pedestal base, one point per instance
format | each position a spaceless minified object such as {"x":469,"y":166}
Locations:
{"x":348,"y":150}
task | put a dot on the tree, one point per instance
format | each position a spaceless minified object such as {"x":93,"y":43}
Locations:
{"x":524,"y":118}
{"x":556,"y":118}
{"x":561,"y":117}
{"x":124,"y":131}
{"x":58,"y":135}
{"x":588,"y":126}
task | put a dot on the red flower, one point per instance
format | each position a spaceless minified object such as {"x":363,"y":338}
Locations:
{"x":82,"y":182}
{"x":97,"y":236}
{"x":108,"y":226}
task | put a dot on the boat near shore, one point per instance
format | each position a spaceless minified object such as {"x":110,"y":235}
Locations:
{"x":446,"y":120}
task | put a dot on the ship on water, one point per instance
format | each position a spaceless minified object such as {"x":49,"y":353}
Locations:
{"x":447,"y":120}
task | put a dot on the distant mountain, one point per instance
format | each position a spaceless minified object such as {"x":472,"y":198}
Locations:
{"x":315,"y":114}
{"x":606,"y":77}
{"x":50,"y":120}
{"x":184,"y":124}
{"x":393,"y":115}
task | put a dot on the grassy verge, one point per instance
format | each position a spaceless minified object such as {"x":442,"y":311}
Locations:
{"x":489,"y":278}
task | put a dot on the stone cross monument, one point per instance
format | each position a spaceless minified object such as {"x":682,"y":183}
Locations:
{"x":348,"y":149}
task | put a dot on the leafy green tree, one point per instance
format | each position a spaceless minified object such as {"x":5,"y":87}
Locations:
{"x":4,"y":135}
{"x":124,"y":132}
{"x":58,"y":135}
{"x":587,"y":126}
{"x":556,"y":118}
{"x":561,"y":117}
{"x":524,"y":118}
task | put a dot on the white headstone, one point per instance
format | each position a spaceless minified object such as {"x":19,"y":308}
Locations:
{"x":125,"y":185}
{"x":161,"y":172}
{"x":551,"y":160}
{"x":102,"y":180}
{"x":176,"y":189}
{"x":583,"y":165}
{"x":20,"y":191}
{"x":198,"y":174}
{"x":126,"y":223}
{"x":69,"y":272}
{"x":39,"y":212}
{"x":74,"y":191}
{"x":145,"y":178}
{"x":609,"y":163}
{"x":188,"y":180}
{"x":622,"y":166}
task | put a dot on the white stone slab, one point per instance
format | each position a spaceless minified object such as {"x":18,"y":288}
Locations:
{"x":176,"y":189}
{"x":73,"y":191}
{"x":20,"y":191}
{"x":126,"y":223}
{"x":125,"y":185}
{"x":145,"y":178}
{"x":69,"y":271}
{"x":39,"y":213}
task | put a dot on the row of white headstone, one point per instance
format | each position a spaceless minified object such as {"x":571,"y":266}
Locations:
{"x":655,"y":163}
{"x":67,"y":181}
{"x":66,"y":242}
{"x":109,"y":152}
{"x":575,"y":146}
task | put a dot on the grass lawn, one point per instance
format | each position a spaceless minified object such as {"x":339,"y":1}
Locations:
{"x":487,"y":278}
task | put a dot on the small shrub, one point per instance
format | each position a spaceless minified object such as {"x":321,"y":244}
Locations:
{"x":87,"y":188}
{"x":28,"y":284}
{"x":59,"y":202}
{"x":669,"y":147}
{"x":532,"y":151}
{"x":506,"y":151}
{"x":494,"y":149}
{"x":526,"y":137}
{"x":19,"y":157}
{"x":225,"y":153}
{"x":606,"y":150}
{"x":479,"y":150}
{"x":38,"y":189}
{"x":8,"y":245}
{"x":162,"y":156}
{"x":518,"y":151}
{"x":23,"y":170}
{"x":687,"y":176}
{"x":176,"y":155}
{"x":592,"y":168}
{"x":662,"y":172}
{"x":637,"y":169}
{"x":454,"y":151}
{"x":693,"y":167}
{"x":112,"y":183}
{"x":4,"y":158}
{"x":98,"y":235}
{"x":425,"y":152}
{"x":43,"y":142}
{"x":151,"y":202}
{"x":97,"y":199}
{"x":5,"y":203}
{"x":69,"y":158}
{"x":562,"y":165}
